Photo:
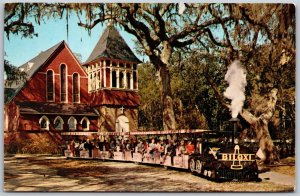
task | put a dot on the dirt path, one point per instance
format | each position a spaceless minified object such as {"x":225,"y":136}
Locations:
{"x":42,"y":173}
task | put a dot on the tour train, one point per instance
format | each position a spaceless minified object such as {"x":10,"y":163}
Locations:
{"x":213,"y":158}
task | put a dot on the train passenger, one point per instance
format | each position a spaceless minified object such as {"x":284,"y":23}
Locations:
{"x":72,"y":148}
{"x":152,"y":147}
{"x":105,"y":146}
{"x":146,"y":144}
{"x":182,"y":149}
{"x":198,"y":146}
{"x":81,"y":146}
{"x":77,"y":150}
{"x":112,"y":145}
{"x":161,"y":149}
{"x":171,"y":150}
{"x":190,"y":147}
{"x":140,"y":147}
{"x":89,"y":146}
{"x":122,"y":145}
{"x":128,"y":146}
{"x":95,"y":149}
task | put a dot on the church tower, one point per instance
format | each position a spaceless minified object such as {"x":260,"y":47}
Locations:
{"x":113,"y":82}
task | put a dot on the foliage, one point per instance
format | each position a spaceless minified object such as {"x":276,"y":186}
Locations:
{"x":13,"y":74}
{"x":32,"y":146}
{"x":150,"y":111}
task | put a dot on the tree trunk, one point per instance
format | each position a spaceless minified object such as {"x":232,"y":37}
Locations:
{"x":265,"y":141}
{"x":167,"y":99}
{"x":261,"y":129}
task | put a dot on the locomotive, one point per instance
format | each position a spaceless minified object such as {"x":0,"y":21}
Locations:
{"x":223,"y":161}
{"x":234,"y":162}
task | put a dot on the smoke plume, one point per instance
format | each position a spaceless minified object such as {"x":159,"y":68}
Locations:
{"x":236,"y":78}
{"x":181,"y":8}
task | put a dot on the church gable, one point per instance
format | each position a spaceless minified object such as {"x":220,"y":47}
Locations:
{"x":57,"y":77}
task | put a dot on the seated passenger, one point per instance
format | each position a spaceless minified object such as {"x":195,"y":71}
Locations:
{"x":112,"y":146}
{"x":181,"y":148}
{"x":161,"y":147}
{"x":171,"y":150}
{"x":190,"y":148}
{"x":122,"y":145}
{"x":152,"y":146}
{"x":198,"y":146}
{"x":128,"y":146}
{"x":140,"y":147}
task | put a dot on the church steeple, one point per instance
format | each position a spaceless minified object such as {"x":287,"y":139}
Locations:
{"x":112,"y":45}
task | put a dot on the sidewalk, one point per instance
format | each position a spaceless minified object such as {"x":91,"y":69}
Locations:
{"x":278,"y":178}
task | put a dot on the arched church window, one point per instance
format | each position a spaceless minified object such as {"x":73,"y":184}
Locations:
{"x":72,"y":122}
{"x":58,"y":123}
{"x":50,"y":85}
{"x":44,"y":123}
{"x":63,"y":83}
{"x":85,"y":123}
{"x":75,"y":87}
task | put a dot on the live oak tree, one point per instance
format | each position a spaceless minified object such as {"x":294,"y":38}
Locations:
{"x":160,"y":30}
{"x":262,"y":37}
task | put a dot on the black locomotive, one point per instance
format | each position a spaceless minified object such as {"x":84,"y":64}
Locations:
{"x":234,"y":162}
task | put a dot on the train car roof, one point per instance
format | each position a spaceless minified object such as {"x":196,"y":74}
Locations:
{"x":167,"y":132}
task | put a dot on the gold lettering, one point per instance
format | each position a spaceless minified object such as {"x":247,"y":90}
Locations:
{"x":240,"y":157}
{"x":237,"y":157}
{"x":224,"y":157}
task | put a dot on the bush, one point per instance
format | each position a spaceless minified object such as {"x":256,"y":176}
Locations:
{"x":42,"y":146}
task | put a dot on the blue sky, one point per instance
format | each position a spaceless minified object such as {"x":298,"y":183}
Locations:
{"x":20,"y":50}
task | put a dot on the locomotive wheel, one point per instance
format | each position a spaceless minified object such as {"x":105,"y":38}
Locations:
{"x":198,"y":166}
{"x":192,"y":165}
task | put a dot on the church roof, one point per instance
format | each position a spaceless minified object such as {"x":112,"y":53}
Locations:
{"x":112,"y":45}
{"x":56,"y":109}
{"x":30,"y":68}
{"x":35,"y":63}
{"x":119,"y":98}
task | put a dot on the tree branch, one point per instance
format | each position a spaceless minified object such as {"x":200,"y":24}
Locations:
{"x":195,"y":28}
{"x":253,"y":22}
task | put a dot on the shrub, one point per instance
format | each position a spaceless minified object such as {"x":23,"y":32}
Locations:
{"x":43,"y":145}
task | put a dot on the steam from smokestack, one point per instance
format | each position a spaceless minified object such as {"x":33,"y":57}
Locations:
{"x":236,"y":78}
{"x":181,"y":8}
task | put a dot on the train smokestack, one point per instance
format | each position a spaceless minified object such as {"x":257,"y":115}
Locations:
{"x":234,"y":130}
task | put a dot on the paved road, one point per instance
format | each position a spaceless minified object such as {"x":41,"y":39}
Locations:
{"x":41,"y":173}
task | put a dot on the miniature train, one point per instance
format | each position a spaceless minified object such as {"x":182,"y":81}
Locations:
{"x":218,"y":161}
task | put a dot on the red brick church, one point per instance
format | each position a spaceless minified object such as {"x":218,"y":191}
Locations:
{"x":63,"y":98}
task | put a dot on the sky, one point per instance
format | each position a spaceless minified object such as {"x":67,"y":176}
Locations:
{"x":20,"y":50}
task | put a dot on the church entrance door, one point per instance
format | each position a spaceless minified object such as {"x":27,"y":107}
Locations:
{"x":122,"y":124}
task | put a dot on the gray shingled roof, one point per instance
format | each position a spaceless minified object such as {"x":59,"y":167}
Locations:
{"x":56,"y":108}
{"x":34,"y":64}
{"x":30,"y":68}
{"x":112,"y":45}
